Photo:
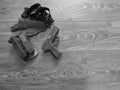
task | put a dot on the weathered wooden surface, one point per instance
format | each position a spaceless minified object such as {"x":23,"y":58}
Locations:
{"x":90,"y":43}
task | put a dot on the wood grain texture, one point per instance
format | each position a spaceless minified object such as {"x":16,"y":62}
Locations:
{"x":89,"y":40}
{"x":74,"y":10}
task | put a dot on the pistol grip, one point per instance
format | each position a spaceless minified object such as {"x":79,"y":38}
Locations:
{"x":27,"y":45}
{"x":54,"y":51}
{"x":17,"y":47}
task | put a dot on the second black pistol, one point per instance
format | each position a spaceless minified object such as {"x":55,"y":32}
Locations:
{"x":49,"y":45}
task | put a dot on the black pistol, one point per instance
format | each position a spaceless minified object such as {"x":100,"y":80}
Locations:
{"x":48,"y":45}
{"x":23,"y":47}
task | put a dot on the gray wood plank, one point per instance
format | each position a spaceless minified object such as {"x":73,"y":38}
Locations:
{"x":73,"y":11}
{"x":100,"y":48}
